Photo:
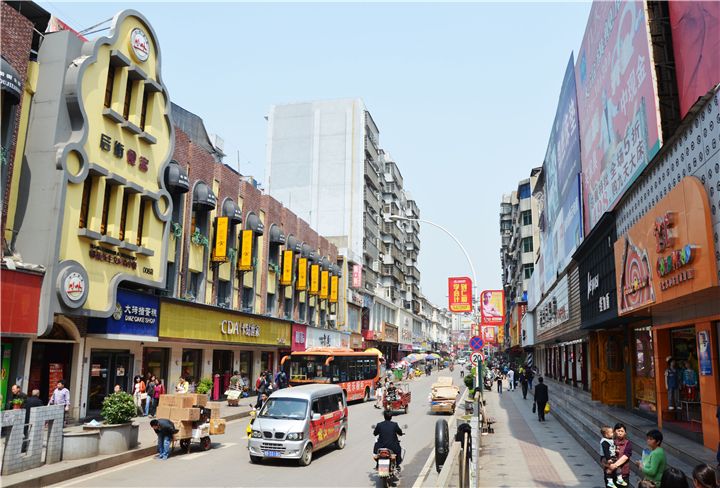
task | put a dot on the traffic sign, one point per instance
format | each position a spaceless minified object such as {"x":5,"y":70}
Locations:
{"x":476,"y":343}
{"x":475,"y":358}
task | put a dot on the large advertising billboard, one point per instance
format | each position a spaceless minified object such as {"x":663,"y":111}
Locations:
{"x":460,"y":294}
{"x":492,"y":307}
{"x":617,"y":104}
{"x":696,"y":43}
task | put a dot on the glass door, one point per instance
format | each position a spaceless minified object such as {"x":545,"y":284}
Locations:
{"x":98,"y":384}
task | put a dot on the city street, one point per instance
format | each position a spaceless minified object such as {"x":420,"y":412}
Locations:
{"x":227,"y":463}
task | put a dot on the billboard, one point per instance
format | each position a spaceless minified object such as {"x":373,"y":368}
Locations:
{"x":696,"y":43}
{"x":489,"y":334}
{"x":617,"y":104}
{"x":492,"y":307}
{"x":460,"y":294}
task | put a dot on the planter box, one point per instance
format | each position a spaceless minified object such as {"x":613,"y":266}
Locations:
{"x":80,"y":445}
{"x":115,"y":438}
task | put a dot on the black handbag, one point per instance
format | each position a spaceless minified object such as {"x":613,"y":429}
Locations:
{"x":534,"y":407}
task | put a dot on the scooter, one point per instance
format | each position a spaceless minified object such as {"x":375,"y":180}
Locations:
{"x":386,"y":466}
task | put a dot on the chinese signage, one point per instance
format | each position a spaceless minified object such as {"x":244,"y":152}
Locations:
{"x":460,"y":294}
{"x":314,"y":279}
{"x":357,"y":275}
{"x":563,"y":230}
{"x":221,"y":234}
{"x":107,"y":144}
{"x":489,"y":334}
{"x":492,"y":307}
{"x":334,"y":283}
{"x":287,"y":268}
{"x":301,"y":283}
{"x":596,"y":267}
{"x":299,"y":333}
{"x":246,"y":251}
{"x":134,"y":314}
{"x":326,"y":338}
{"x":554,"y":309}
{"x":617,"y":104}
{"x":324,"y":284}
{"x":669,"y":252}
{"x":198,"y":322}
{"x":390,"y":332}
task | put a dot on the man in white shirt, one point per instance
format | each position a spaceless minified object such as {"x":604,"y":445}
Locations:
{"x":511,"y":380}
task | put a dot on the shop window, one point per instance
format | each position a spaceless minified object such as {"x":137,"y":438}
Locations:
{"x":613,"y":355}
{"x":526,"y":217}
{"x":85,"y":202}
{"x":224,"y":294}
{"x":128,"y":98}
{"x":528,"y":271}
{"x":527,"y":244}
{"x":644,"y":354}
{"x":191,"y":365}
{"x":109,"y":86}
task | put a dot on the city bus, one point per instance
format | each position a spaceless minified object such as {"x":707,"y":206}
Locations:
{"x":355,"y":372}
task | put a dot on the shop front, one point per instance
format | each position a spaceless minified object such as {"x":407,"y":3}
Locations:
{"x":19,"y":301}
{"x":117,"y":350}
{"x":389,"y":345}
{"x":666,"y":265}
{"x":356,"y":342}
{"x":205,"y":341}
{"x":316,"y":337}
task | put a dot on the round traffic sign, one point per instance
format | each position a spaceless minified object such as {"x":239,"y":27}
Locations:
{"x":475,"y":358}
{"x":476,"y":343}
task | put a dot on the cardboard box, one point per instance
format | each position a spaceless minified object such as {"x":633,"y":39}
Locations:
{"x":214,"y":412}
{"x":200,"y":400}
{"x":184,"y":400}
{"x":167,"y":401}
{"x":214,"y":404}
{"x":184,"y":428}
{"x":163,"y":412}
{"x":217,"y":426}
{"x":178,"y":413}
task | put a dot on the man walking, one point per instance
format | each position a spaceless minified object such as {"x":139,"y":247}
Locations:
{"x":61,"y":396}
{"x":165,"y":429}
{"x":524,"y":383}
{"x":511,"y":379}
{"x":541,"y":398}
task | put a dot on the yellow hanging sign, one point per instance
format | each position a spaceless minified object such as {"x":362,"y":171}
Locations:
{"x":324,"y":283}
{"x":245,"y":263}
{"x":287,"y":266}
{"x":301,"y":284}
{"x":314,"y":279}
{"x":334,"y":283}
{"x":221,"y":234}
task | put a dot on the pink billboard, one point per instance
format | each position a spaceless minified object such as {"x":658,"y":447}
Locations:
{"x":696,"y":43}
{"x":617,"y":104}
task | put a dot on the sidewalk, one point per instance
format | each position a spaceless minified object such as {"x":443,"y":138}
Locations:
{"x":49,"y":474}
{"x":524,"y":452}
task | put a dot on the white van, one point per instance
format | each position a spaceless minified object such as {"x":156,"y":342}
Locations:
{"x":295,"y":422}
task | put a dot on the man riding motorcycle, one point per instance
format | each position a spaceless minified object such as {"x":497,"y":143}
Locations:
{"x":388,"y":432}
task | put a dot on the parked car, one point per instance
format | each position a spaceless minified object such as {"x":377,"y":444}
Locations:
{"x":462,"y":360}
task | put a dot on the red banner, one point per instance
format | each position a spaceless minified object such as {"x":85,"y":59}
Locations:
{"x":460,"y":294}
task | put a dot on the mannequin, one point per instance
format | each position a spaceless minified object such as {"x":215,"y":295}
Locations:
{"x":672,"y":383}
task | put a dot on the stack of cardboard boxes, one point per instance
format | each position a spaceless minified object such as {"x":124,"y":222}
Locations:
{"x":186,"y":410}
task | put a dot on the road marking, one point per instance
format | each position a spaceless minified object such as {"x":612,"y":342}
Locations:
{"x":106,"y":472}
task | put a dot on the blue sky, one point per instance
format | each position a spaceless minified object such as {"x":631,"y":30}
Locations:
{"x":463,"y":94}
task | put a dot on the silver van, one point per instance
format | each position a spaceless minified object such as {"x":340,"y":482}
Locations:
{"x":295,"y":422}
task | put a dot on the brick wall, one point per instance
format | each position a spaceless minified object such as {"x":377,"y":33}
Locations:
{"x":15,"y":43}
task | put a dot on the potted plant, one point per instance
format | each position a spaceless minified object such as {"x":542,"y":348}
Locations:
{"x":204,"y":387}
{"x":116,"y":433}
{"x":17,"y":403}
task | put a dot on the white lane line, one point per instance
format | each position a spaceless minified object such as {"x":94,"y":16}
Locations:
{"x":426,"y":469}
{"x":105,"y":472}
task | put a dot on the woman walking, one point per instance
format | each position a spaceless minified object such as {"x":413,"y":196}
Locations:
{"x":150,"y":391}
{"x":159,"y":390}
{"x":139,"y":394}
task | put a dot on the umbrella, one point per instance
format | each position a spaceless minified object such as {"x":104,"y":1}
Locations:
{"x":412,"y":358}
{"x":435,"y":356}
{"x":373,"y":350}
{"x":429,"y":357}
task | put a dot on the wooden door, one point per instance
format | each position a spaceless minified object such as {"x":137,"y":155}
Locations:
{"x":612,"y":369}
{"x":595,"y":386}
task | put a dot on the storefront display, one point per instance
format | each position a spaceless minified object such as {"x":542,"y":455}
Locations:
{"x":191,"y":364}
{"x":644,"y":396}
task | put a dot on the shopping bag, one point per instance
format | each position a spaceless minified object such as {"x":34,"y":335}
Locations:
{"x":534,"y":407}
{"x":547,"y":408}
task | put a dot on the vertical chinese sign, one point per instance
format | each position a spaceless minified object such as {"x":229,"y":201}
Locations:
{"x":460,"y":294}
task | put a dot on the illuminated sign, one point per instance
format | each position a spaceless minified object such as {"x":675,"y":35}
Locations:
{"x":245,"y":263}
{"x":301,"y":283}
{"x":314,"y":279}
{"x":460,"y":295}
{"x":221,"y":234}
{"x":324,"y":284}
{"x":287,"y":267}
{"x":334,"y":283}
{"x":231,"y":327}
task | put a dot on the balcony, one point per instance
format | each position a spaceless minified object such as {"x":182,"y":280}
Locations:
{"x":371,"y":249}
{"x":371,"y":176}
{"x":371,"y":148}
{"x":371,"y":198}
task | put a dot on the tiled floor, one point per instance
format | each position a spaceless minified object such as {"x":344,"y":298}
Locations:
{"x":526,"y":453}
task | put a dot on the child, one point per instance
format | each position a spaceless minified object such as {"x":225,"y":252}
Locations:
{"x":613,"y":478}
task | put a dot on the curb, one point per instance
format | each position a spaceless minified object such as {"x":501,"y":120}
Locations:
{"x":93,"y":466}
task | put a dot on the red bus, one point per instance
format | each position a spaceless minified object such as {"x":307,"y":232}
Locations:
{"x":355,"y":372}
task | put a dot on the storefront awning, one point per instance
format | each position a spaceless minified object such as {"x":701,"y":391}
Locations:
{"x":293,"y":244}
{"x":613,"y":323}
{"x":276,"y":234}
{"x":176,"y":178}
{"x":230,"y":209}
{"x":10,"y":81}
{"x":325,"y":263}
{"x":254,"y":224}
{"x":203,"y":197}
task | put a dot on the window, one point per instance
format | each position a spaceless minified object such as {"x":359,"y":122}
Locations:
{"x":123,"y":215}
{"x":223,"y":295}
{"x":527,"y":244}
{"x":85,"y":203}
{"x":505,"y":225}
{"x":109,"y":86}
{"x":302,"y":307}
{"x":128,"y":97}
{"x":526,"y":217}
{"x":613,"y":358}
{"x":143,"y":113}
{"x":524,"y":191}
{"x":270,"y":302}
{"x":248,"y":295}
{"x":528,"y":270}
{"x":144,"y":203}
{"x":193,"y":285}
{"x":106,"y":209}
{"x":288,"y":308}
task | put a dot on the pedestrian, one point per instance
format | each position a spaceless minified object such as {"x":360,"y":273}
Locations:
{"x":165,"y":429}
{"x":623,"y":451}
{"x":673,"y":478}
{"x":117,"y":389}
{"x":704,"y":477}
{"x":159,"y":390}
{"x":499,"y":379}
{"x":531,"y":377}
{"x":378,"y":394}
{"x":61,"y":396}
{"x":139,"y":395}
{"x":17,"y":396}
{"x":524,"y":384}
{"x":541,"y":398}
{"x":261,"y":399}
{"x":182,"y":386}
{"x":511,"y":379}
{"x":281,"y":379}
{"x":32,"y":401}
{"x":653,"y":465}
{"x":150,"y":394}
{"x":611,"y":473}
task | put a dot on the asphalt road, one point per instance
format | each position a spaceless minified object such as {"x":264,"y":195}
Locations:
{"x":228,"y":463}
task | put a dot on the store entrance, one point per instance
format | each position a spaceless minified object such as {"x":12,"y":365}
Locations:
{"x":222,"y":366}
{"x":107,"y":369}
{"x":611,"y":375}
{"x":686,"y":416}
{"x":155,"y":362}
{"x":51,"y":362}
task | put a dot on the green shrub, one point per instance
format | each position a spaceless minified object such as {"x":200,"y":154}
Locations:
{"x":118,"y":408}
{"x":205,"y":386}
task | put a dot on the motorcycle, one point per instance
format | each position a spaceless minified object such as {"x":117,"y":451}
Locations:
{"x":386,"y":466}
